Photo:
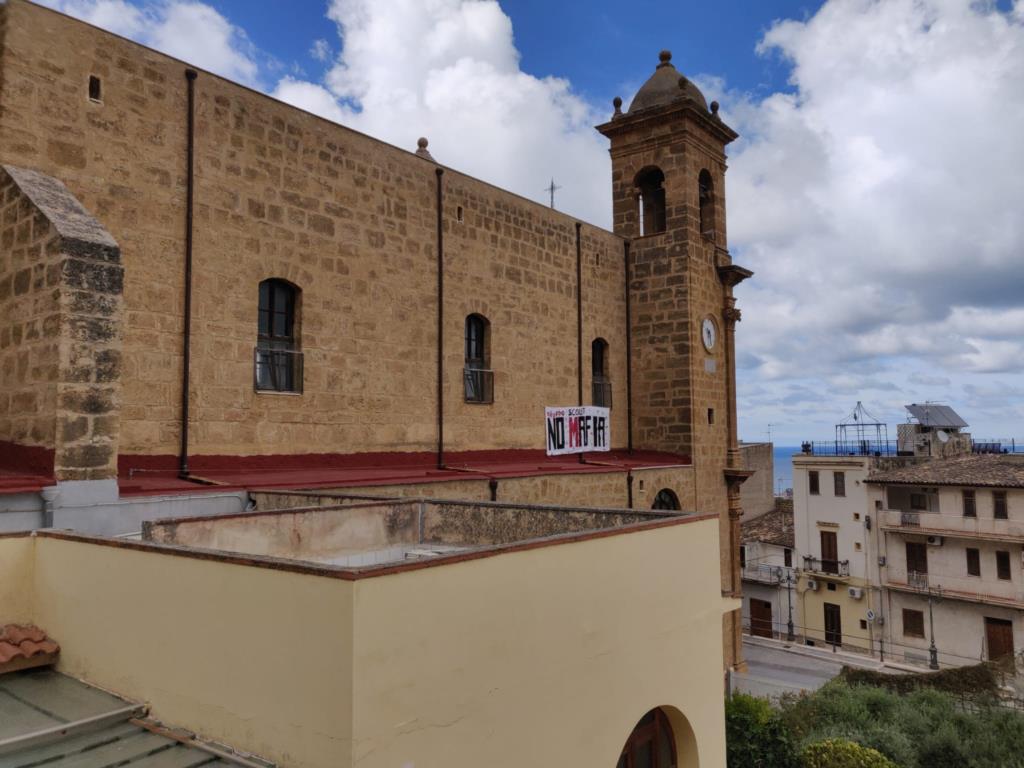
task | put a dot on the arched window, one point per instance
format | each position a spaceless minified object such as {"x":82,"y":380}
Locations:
{"x":602,"y":385}
{"x":666,"y":499}
{"x":478,"y":376}
{"x":706,"y":200}
{"x":650,"y":185}
{"x":278,"y":359}
{"x":651,"y":744}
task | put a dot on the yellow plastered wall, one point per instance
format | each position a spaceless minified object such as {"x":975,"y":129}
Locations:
{"x":542,"y":657}
{"x":16,"y":589}
{"x":253,"y":657}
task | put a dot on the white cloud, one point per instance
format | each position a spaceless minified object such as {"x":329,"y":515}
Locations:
{"x":320,"y":50}
{"x":878,"y":201}
{"x":449,"y":70}
{"x":192,"y":31}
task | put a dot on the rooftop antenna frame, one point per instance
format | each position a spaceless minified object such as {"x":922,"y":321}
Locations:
{"x":861,"y":434}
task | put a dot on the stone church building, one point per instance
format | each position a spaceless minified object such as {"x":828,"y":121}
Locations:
{"x":205,"y":291}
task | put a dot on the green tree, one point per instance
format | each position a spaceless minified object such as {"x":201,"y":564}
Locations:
{"x":839,"y":753}
{"x":756,"y":736}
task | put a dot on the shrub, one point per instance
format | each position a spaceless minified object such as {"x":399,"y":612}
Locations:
{"x":840,"y":753}
{"x":756,"y":736}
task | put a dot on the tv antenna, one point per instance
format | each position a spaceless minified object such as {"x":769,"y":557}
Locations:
{"x":551,"y":190}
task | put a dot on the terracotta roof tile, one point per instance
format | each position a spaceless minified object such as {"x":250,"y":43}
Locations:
{"x":987,"y":469}
{"x":20,"y":642}
{"x":775,"y":527}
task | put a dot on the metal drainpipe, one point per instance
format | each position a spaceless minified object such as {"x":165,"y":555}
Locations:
{"x":579,"y":321}
{"x":190,"y":79}
{"x":440,"y":320}
{"x":629,"y":359}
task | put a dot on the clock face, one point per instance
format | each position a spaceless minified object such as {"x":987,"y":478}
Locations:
{"x":708,"y":333}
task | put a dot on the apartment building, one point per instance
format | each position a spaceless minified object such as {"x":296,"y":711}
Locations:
{"x":836,"y":510}
{"x":950,"y":539}
{"x":768,"y":564}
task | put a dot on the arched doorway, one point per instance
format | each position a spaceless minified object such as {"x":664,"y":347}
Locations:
{"x":666,"y":499}
{"x":652,"y":744}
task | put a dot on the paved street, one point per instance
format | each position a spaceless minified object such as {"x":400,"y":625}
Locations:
{"x":773,"y":669}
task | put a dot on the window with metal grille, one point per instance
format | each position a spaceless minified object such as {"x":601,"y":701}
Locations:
{"x":812,"y":482}
{"x":913,"y":623}
{"x":1003,"y":566}
{"x":278,"y":361}
{"x":478,"y":378}
{"x":601,"y":383}
{"x":973,"y":562}
{"x":999,"y":505}
{"x":787,"y":557}
{"x":970,"y":510}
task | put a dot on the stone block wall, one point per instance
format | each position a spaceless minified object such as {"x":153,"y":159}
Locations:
{"x":60,"y":344}
{"x":349,"y":220}
{"x":30,"y":331}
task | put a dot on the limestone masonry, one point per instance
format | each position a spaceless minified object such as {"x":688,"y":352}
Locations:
{"x":348,"y":298}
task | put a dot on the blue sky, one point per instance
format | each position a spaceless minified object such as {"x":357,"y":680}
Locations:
{"x":875,"y":189}
{"x":601,"y":47}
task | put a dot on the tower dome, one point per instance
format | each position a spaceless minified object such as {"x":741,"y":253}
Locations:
{"x":666,"y":86}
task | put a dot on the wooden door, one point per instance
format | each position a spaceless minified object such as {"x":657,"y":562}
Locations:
{"x":833,"y":624}
{"x":917,"y":557}
{"x":761,"y":618}
{"x":999,"y":636}
{"x":651,"y":745}
{"x":829,"y":552}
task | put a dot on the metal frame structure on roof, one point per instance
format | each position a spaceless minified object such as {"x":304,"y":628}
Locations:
{"x":861,"y":434}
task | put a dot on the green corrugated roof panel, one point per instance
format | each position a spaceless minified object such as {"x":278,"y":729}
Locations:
{"x":48,"y":719}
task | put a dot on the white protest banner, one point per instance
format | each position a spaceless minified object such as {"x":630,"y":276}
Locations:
{"x":577,"y":429}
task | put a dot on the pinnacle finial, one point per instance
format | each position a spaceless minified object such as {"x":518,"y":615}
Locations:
{"x":665,"y":57}
{"x":714,"y":108}
{"x":617,"y":103}
{"x":422,"y":151}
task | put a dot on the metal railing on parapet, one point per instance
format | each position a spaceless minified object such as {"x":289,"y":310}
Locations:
{"x":849,"y":448}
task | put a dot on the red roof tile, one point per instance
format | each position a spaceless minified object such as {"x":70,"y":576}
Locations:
{"x":19,"y":642}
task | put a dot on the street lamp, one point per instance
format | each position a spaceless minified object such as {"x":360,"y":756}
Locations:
{"x":919,"y":582}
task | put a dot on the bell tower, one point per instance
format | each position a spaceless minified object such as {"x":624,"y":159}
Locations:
{"x":668,"y":188}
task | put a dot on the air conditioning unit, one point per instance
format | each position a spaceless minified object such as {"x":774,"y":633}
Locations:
{"x":934,"y":541}
{"x":856,"y":592}
{"x":812,"y":585}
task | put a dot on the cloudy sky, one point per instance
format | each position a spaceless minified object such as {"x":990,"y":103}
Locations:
{"x":877,"y":189}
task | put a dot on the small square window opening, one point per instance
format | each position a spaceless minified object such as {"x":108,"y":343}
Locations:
{"x":711,"y":415}
{"x":831,"y":587}
{"x":95,"y":91}
{"x":459,"y":216}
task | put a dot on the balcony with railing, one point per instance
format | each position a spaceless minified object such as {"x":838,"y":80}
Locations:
{"x":823,"y":567}
{"x":954,"y":587}
{"x":277,"y":370}
{"x":956,"y":525}
{"x":772,"y":575}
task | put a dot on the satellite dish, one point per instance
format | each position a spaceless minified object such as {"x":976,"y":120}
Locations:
{"x":942,"y":435}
